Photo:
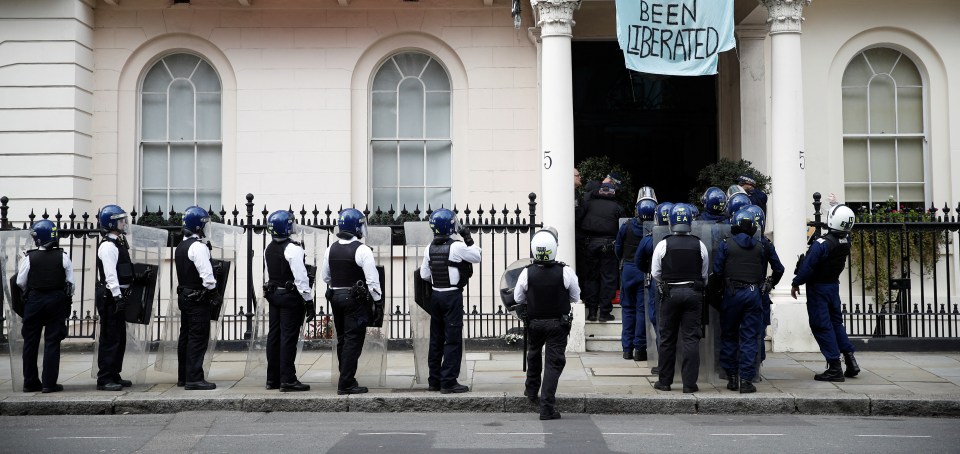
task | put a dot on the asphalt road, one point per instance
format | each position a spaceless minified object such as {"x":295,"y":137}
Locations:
{"x":361,"y":433}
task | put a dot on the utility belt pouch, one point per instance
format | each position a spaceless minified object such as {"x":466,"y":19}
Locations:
{"x":566,"y":322}
{"x":125,"y":273}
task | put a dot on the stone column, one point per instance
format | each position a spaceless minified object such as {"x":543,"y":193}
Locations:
{"x":788,"y":205}
{"x":555,"y":20}
{"x":753,"y":97}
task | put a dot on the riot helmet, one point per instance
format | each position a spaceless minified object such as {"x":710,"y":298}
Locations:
{"x":351,"y":222}
{"x":443,"y":222}
{"x":736,"y":202}
{"x":44,"y":233}
{"x":743,"y":221}
{"x":112,"y":218}
{"x":734,"y":189}
{"x":646,"y":209}
{"x":662,"y":216}
{"x":647,"y":193}
{"x":681,"y":216}
{"x":543,"y":245}
{"x":841,"y":219}
{"x":694,"y":211}
{"x":758,"y":215}
{"x":280,"y":225}
{"x":195,"y":219}
{"x":714,"y":200}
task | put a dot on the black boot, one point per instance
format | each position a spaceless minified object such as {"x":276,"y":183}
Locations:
{"x":746,"y":387}
{"x":592,"y":314}
{"x":733,"y":383}
{"x":834,"y":372}
{"x":852,"y":367}
{"x":640,"y":354}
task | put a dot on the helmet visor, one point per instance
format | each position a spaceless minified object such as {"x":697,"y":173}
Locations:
{"x":734,"y":189}
{"x":647,"y":192}
{"x":121,"y":220}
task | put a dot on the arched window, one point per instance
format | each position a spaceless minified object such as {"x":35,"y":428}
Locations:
{"x":884,"y":133}
{"x":180,"y":134}
{"x":410,"y":133}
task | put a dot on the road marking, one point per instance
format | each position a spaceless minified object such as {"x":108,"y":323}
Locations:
{"x":747,"y":435}
{"x":84,"y":438}
{"x":638,"y":433}
{"x":242,"y":435}
{"x":391,"y":433}
{"x":897,"y":436}
{"x":514,"y":433}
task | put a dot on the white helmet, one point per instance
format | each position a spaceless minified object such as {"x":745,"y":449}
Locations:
{"x":543,"y":246}
{"x":841,"y":218}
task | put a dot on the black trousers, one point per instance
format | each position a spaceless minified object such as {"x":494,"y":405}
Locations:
{"x":350,"y":321}
{"x":194,"y":337}
{"x":286,"y":318}
{"x":602,"y":273}
{"x":547,"y":337}
{"x":45,"y":312}
{"x":446,"y":338}
{"x":113,"y":338}
{"x":680,"y":316}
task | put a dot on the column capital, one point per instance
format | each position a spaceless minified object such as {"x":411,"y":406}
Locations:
{"x":555,"y":17}
{"x":784,"y":16}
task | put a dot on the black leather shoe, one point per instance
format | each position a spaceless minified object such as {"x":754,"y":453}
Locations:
{"x":202,"y":385}
{"x":640,"y":354}
{"x":690,"y":389}
{"x":455,"y":390}
{"x":554,"y":415}
{"x":32,"y":389}
{"x":746,"y":387}
{"x":353,"y":390}
{"x":607,"y":317}
{"x":628,"y":355}
{"x":531,"y":396}
{"x":125,"y":383}
{"x":852,"y":367}
{"x":272,"y":385}
{"x":661,"y":386}
{"x":54,"y":389}
{"x":180,"y":384}
{"x":110,"y":387}
{"x":592,"y":314}
{"x":732,"y":383}
{"x":833,"y":373}
{"x":433,"y":388}
{"x":655,"y":371}
{"x":293,"y":387}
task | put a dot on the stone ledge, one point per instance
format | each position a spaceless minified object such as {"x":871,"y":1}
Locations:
{"x":566,"y":403}
{"x":947,"y":405}
{"x":431,"y":403}
{"x":756,"y":403}
{"x":60,"y":405}
{"x":167,"y":404}
{"x":294,"y":403}
{"x":666,"y":404}
{"x":833,"y":404}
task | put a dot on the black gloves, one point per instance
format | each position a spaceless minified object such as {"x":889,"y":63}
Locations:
{"x":464,"y":232}
{"x":310,"y":311}
{"x":377,"y":320}
{"x":120,"y":303}
{"x":212,"y":296}
{"x":522,"y":311}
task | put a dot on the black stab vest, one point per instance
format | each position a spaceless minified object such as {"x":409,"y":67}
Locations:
{"x":745,"y":265}
{"x":646,"y":259}
{"x":187,"y":275}
{"x":547,"y":298}
{"x":278,"y":268}
{"x":630,"y":243}
{"x":123,"y":258}
{"x":344,"y":271}
{"x":46,"y":270}
{"x":682,"y":261}
{"x":439,"y":262}
{"x":830,"y":269}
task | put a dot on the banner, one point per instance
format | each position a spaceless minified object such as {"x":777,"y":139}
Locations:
{"x":674,"y":37}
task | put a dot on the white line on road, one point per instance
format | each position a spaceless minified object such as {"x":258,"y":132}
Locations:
{"x":897,"y":436}
{"x":747,"y":435}
{"x":242,"y":435}
{"x":84,"y":438}
{"x":391,"y":433}
{"x":514,"y":433}
{"x":638,"y":433}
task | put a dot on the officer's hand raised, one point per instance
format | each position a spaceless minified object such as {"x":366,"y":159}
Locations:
{"x":794,"y":291}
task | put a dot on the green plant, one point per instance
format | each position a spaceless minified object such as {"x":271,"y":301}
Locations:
{"x":596,"y":168}
{"x":725,"y":173}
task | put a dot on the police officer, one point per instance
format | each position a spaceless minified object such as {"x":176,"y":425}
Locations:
{"x":599,"y":220}
{"x":775,"y":265}
{"x":196,"y":297}
{"x":447,"y":265}
{"x":820,"y":270}
{"x":288,"y":290}
{"x":345,"y":263}
{"x":46,"y":277}
{"x":735,"y":202}
{"x":115,"y":274}
{"x":544,"y":292}
{"x":680,"y":267}
{"x":644,"y":261}
{"x":741,"y":264}
{"x":633,"y":337}
{"x":714,"y":202}
{"x":749,"y":185}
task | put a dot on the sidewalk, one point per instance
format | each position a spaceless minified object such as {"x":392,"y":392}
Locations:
{"x":910,"y":384}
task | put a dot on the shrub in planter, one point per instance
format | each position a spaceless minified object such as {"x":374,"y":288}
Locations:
{"x":725,"y":173}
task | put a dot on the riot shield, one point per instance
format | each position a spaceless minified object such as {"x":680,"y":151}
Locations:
{"x":711,"y":234}
{"x":225,"y":241}
{"x":372,"y":364}
{"x":147,"y":250}
{"x":418,"y":237}
{"x":508,"y":281}
{"x":12,"y":245}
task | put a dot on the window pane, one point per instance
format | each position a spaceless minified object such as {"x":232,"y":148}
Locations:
{"x":182,"y":167}
{"x":181,"y":65}
{"x":884,"y":192}
{"x":209,"y":198}
{"x":387,"y":77}
{"x":857,"y":72}
{"x":384,"y":115}
{"x":155,"y":200}
{"x":181,"y":200}
{"x":435,"y":77}
{"x":154,"y":167}
{"x":856,"y":193}
{"x":208,"y":116}
{"x":411,"y":163}
{"x":910,"y":154}
{"x":209,"y":169}
{"x":411,"y":63}
{"x":906,"y":73}
{"x":881,"y":59}
{"x":411,"y":109}
{"x":910,"y":109}
{"x":855,"y":110}
{"x":439,"y":197}
{"x":154,"y":117}
{"x":855,"y":160}
{"x":912,"y":193}
{"x":882,"y":162}
{"x":384,"y":163}
{"x":384,"y":198}
{"x":206,"y":79}
{"x":157,"y":79}
{"x":882,"y":112}
{"x":412,"y":197}
{"x":438,"y":163}
{"x":181,"y":110}
{"x":438,"y":114}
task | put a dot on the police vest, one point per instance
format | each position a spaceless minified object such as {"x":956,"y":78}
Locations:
{"x":344,"y":271}
{"x":682,"y":261}
{"x":601,"y":218}
{"x":547,"y":298}
{"x":439,"y":263}
{"x":278,"y":268}
{"x":123,"y":266}
{"x":646,"y":258}
{"x":745,"y":265}
{"x":828,"y":272}
{"x":630,"y":243}
{"x":46,"y":270}
{"x":187,"y":275}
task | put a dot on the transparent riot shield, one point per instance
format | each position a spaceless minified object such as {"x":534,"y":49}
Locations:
{"x":418,"y":237}
{"x":225,"y":241}
{"x":372,"y":364}
{"x":12,"y":245}
{"x":711,"y":234}
{"x":147,"y":250}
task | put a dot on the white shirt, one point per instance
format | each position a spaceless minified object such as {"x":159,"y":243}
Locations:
{"x":24,"y":269}
{"x":661,"y":250}
{"x":569,"y":282}
{"x":199,"y":254}
{"x":364,"y":259}
{"x":459,"y":252}
{"x":294,"y":255}
{"x":109,"y":255}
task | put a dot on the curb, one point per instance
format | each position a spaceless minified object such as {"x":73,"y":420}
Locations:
{"x":489,"y":402}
